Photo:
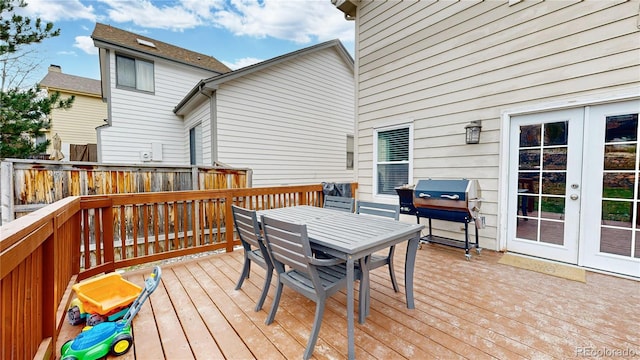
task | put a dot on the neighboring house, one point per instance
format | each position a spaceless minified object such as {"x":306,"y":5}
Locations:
{"x":76,"y":126}
{"x":142,"y":80}
{"x":555,"y":86}
{"x":290,"y":119}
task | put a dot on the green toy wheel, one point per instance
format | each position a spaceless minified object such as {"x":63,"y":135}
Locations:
{"x":121,"y":344}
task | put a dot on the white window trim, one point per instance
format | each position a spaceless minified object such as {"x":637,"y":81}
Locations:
{"x":374,"y":167}
{"x":136,"y":60}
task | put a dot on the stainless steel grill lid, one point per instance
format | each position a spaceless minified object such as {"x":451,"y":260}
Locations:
{"x":451,"y":199}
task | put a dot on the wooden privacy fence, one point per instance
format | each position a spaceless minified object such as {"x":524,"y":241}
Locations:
{"x":46,"y":251}
{"x":27,"y":185}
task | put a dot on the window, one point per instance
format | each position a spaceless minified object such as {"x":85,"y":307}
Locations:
{"x":349,"y":152}
{"x":134,"y":73}
{"x":393,"y":158}
{"x":195,"y":145}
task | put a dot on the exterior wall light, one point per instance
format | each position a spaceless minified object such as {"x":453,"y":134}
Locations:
{"x":473,"y":132}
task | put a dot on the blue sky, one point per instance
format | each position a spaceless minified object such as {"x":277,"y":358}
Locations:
{"x":236,"y":32}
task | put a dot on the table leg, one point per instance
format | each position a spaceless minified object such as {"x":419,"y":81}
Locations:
{"x":364,"y":305}
{"x":350,"y":308}
{"x":409,"y":266}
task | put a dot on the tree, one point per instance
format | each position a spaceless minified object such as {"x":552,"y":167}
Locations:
{"x":24,"y":112}
{"x":23,"y":117}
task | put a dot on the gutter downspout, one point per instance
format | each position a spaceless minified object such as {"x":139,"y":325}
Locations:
{"x":213,"y":124}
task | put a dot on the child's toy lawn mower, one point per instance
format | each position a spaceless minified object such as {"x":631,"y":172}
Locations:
{"x":103,"y":298}
{"x":109,"y":337}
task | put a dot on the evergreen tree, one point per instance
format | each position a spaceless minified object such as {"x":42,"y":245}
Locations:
{"x":24,"y":112}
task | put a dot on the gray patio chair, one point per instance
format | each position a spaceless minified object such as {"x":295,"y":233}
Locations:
{"x":339,"y":203}
{"x":384,"y":210}
{"x":255,"y":251}
{"x":317,"y":279}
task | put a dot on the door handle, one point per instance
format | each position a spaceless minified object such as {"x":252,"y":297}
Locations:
{"x":573,"y":196}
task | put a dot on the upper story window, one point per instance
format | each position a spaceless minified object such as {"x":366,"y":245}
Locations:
{"x":134,"y":73}
{"x":393,"y":154}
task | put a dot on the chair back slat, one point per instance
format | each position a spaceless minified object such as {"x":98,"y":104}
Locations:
{"x":288,"y":244}
{"x":339,"y":203}
{"x":378,"y":209}
{"x":247,"y":227}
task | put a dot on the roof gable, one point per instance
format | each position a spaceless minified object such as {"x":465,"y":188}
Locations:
{"x":106,"y":36}
{"x":71,"y":83}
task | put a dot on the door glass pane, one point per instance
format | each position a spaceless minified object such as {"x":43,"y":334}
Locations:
{"x":617,"y":213}
{"x":615,"y":241}
{"x":621,"y":128}
{"x":556,"y":133}
{"x":530,"y":135}
{"x":554,"y":183}
{"x":620,"y":157}
{"x":618,"y":185}
{"x":527,"y":229}
{"x":552,"y":207}
{"x":620,"y":228}
{"x":555,"y":159}
{"x":552,"y":232}
{"x":530,"y":159}
{"x":542,"y":182}
{"x":542,"y":172}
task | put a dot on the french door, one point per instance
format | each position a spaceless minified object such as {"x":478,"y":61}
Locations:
{"x":545,"y":184}
{"x":612,"y":219}
{"x":574,"y":186}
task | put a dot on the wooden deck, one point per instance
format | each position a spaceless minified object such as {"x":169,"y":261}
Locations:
{"x":476,"y":309}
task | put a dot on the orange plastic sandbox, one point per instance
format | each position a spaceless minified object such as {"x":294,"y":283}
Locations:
{"x":106,"y":293}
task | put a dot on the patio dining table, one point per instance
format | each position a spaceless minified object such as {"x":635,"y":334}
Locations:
{"x":353,"y":237}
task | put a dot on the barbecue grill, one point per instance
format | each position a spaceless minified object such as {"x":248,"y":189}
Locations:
{"x":456,"y":200}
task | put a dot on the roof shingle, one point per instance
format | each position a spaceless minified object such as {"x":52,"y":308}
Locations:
{"x":71,"y":83}
{"x":114,"y":36}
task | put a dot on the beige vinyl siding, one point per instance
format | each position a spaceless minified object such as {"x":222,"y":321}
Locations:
{"x":140,"y":118}
{"x":199,"y":115}
{"x":444,"y":64}
{"x":78,"y":124}
{"x":289,"y":122}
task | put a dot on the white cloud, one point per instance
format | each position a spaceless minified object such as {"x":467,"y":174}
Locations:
{"x":144,"y":13}
{"x":85,"y":43}
{"x":299,"y":21}
{"x":54,"y":11}
{"x":67,"y":53}
{"x":240,"y":63}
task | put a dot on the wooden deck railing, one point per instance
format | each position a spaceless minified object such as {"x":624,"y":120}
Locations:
{"x":45,"y":252}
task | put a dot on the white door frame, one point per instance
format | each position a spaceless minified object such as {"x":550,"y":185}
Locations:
{"x":505,"y":126}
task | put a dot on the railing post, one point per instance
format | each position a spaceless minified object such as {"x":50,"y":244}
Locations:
{"x":48,"y":284}
{"x":228,"y":222}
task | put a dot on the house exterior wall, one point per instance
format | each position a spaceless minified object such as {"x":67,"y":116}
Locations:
{"x":140,"y":119}
{"x":78,"y":124}
{"x":289,"y":122}
{"x":440,"y":65}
